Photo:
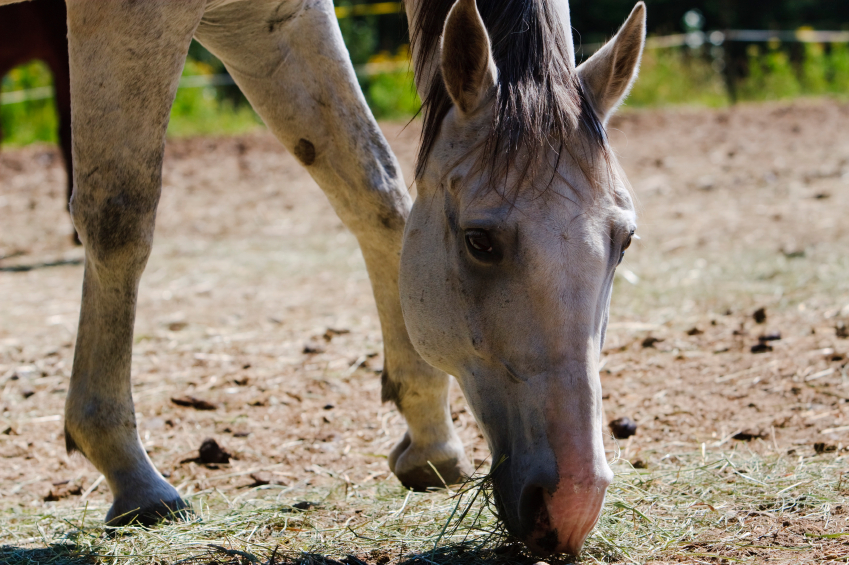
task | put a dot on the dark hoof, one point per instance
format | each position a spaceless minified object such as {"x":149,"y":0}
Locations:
{"x":175,"y":509}
{"x":421,"y":469}
{"x":420,"y":479}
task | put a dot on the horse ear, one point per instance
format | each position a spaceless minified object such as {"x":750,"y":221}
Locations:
{"x":609,"y":74}
{"x":468,"y":69}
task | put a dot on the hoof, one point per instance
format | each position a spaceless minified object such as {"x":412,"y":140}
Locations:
{"x":420,"y":479}
{"x":175,"y":509}
{"x":423,"y":469}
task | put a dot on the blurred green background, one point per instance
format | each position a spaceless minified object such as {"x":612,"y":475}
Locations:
{"x":376,"y":36}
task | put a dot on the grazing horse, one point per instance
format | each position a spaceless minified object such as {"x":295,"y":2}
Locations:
{"x":521,"y":218}
{"x":508,"y":253}
{"x":37,"y":30}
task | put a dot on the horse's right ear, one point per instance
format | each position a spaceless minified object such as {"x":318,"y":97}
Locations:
{"x":468,"y":69}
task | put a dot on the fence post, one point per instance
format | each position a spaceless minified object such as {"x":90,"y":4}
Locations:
{"x":729,"y":73}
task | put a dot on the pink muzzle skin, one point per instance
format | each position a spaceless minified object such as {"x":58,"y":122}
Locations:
{"x":573,"y":429}
{"x":569,"y":516}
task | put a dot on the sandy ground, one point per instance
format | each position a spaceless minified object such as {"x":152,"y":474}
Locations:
{"x":740,"y":209}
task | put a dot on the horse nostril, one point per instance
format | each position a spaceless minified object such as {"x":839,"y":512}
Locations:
{"x":535,"y":520}
{"x":532,"y":508}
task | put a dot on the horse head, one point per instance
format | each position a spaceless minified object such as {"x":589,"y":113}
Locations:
{"x":521,"y":218}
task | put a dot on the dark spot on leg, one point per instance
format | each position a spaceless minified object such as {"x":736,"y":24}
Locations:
{"x":387,"y":222}
{"x":390,"y":390}
{"x":305,"y":152}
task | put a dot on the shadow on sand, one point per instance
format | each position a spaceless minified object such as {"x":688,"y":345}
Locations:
{"x":56,"y":554}
{"x":458,"y":554}
{"x":44,"y":265}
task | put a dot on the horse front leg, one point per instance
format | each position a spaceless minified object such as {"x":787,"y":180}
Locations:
{"x":290,"y":61}
{"x":126,"y":60}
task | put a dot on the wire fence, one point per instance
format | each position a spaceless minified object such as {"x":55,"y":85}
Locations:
{"x":694,"y":40}
{"x":718,"y":38}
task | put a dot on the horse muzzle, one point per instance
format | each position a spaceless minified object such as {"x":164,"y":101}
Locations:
{"x":559,"y":521}
{"x":555,"y":474}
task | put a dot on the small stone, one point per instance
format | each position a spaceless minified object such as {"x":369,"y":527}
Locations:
{"x":822,"y":447}
{"x":772,"y":336}
{"x":761,"y":348}
{"x":333,"y":332}
{"x":211,"y":452}
{"x":650,"y":341}
{"x":312,"y":348}
{"x":192,"y":402}
{"x":748,"y":435}
{"x":63,"y":489}
{"x":623,"y":428}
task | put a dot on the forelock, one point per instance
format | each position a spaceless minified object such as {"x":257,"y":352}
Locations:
{"x":539,"y":103}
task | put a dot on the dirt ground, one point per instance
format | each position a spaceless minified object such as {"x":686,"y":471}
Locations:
{"x":256,"y":301}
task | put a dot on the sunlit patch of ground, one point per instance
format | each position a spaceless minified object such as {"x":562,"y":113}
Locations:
{"x":256,"y":301}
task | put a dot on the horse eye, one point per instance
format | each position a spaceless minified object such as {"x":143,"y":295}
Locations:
{"x":624,"y":247}
{"x":479,"y":240}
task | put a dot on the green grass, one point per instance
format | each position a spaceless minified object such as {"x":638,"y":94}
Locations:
{"x":204,"y":111}
{"x":392,"y":95}
{"x":196,"y":111}
{"x":668,"y":77}
{"x":676,"y":77}
{"x":686,"y":506}
{"x":28,"y":122}
{"x":772,"y":76}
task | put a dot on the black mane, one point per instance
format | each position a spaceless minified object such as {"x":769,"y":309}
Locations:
{"x":539,"y":100}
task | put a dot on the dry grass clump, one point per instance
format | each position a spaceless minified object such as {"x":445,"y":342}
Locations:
{"x":712,"y":507}
{"x":722,"y":507}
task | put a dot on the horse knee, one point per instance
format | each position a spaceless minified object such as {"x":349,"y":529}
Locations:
{"x":384,"y":199}
{"x":116,"y":229}
{"x":392,"y":215}
{"x":392,"y":201}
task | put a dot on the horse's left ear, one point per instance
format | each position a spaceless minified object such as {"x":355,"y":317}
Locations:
{"x":608,"y":75}
{"x":467,"y":65}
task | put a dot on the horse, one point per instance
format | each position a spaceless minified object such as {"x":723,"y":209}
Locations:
{"x":36,"y":30}
{"x":500,"y":273}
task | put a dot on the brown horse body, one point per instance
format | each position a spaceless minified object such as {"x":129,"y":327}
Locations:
{"x":38,"y":30}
